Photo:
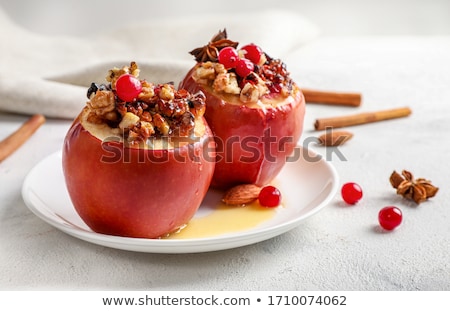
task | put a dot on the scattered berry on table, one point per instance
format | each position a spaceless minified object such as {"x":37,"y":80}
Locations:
{"x":351,"y":193}
{"x":390,"y":217}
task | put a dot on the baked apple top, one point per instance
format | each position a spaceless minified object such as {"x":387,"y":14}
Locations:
{"x":243,"y":75}
{"x":140,"y":112}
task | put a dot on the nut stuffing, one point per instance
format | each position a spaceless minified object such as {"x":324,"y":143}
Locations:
{"x":140,"y":109}
{"x":248,"y":73}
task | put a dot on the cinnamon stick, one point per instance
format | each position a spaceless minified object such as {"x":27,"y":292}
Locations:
{"x":332,"y":98}
{"x":361,"y":118}
{"x":20,"y":136}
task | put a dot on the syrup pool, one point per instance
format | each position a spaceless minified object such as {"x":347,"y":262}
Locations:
{"x":223,"y":219}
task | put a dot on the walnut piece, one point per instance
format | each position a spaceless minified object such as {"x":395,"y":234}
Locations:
{"x":128,"y":120}
{"x":147,"y":92}
{"x":249,"y":93}
{"x":227,"y":83}
{"x":102,"y":104}
{"x":115,"y":73}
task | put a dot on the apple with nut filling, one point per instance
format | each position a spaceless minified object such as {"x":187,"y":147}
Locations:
{"x":139,"y":158}
{"x":253,"y":107}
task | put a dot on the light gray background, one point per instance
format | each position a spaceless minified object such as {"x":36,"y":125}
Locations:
{"x":344,"y":17}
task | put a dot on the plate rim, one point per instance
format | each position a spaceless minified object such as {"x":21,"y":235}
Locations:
{"x":188,"y":245}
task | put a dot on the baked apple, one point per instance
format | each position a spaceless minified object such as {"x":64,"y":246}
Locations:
{"x":139,"y":158}
{"x":253,"y":107}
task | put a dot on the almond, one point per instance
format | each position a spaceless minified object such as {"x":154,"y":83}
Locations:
{"x":335,"y":138}
{"x":241,"y":194}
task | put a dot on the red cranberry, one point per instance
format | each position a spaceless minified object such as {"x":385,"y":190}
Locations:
{"x":351,"y":193}
{"x":128,"y":87}
{"x":269,"y":196}
{"x":228,"y":57}
{"x":390,"y":217}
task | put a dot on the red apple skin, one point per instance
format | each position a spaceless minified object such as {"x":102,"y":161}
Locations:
{"x":252,"y":143}
{"x":133,"y":192}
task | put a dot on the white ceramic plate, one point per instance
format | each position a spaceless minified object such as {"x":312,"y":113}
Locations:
{"x":307,"y":185}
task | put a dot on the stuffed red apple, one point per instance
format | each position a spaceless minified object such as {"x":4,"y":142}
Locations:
{"x":139,"y":158}
{"x":253,"y":107}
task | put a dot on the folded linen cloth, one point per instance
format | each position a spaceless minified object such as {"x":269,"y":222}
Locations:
{"x":50,"y":74}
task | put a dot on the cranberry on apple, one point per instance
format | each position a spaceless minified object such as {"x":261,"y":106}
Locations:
{"x":138,"y":165}
{"x":253,"y":108}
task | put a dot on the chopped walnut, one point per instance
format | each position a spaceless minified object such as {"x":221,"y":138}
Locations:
{"x":204,"y":73}
{"x":166,"y":93}
{"x":253,"y":90}
{"x":169,"y":108}
{"x":219,"y":68}
{"x":249,"y":94}
{"x":158,"y":110}
{"x":102,"y":104}
{"x":268,"y":76}
{"x":197,"y":104}
{"x":147,"y":128}
{"x":128,"y":120}
{"x":183,"y":125}
{"x":147,"y":92}
{"x":161,"y":123}
{"x":218,"y":77}
{"x":227,"y":83}
{"x":115,"y":73}
{"x":93,"y":118}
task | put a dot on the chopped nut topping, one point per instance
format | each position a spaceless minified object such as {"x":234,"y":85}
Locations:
{"x":128,"y":120}
{"x":102,"y":103}
{"x":147,"y":92}
{"x":158,"y":110}
{"x":161,"y":124}
{"x":115,"y":73}
{"x":166,"y":93}
{"x":226,"y":82}
{"x":249,"y":93}
{"x":269,"y":75}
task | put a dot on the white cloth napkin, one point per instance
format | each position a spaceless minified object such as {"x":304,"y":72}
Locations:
{"x":50,"y":74}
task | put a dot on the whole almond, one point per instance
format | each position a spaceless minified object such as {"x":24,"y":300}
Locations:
{"x":335,"y":138}
{"x":241,"y":194}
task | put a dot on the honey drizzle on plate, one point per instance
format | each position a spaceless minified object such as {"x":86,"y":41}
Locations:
{"x":225,"y":219}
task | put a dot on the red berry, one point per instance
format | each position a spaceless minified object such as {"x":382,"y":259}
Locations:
{"x":228,"y":57}
{"x":351,"y":193}
{"x":390,"y":217}
{"x":275,"y":87}
{"x":269,"y":196}
{"x":253,"y":53}
{"x":128,"y":87}
{"x":244,"y":67}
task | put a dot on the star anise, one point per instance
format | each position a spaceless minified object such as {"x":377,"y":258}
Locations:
{"x":418,"y":190}
{"x":210,"y":51}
